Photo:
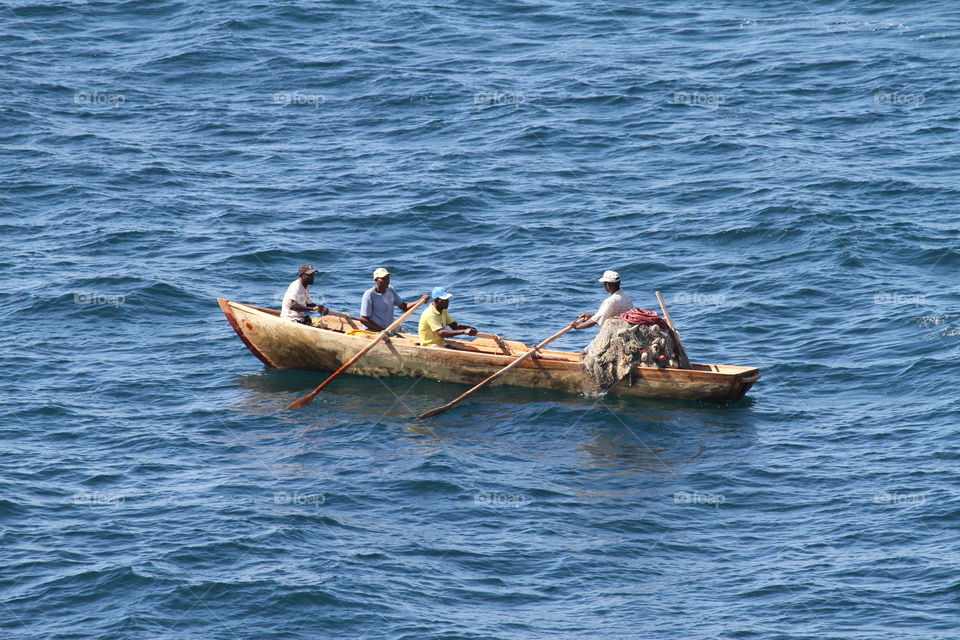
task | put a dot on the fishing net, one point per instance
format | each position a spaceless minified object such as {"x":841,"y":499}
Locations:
{"x":619,"y":348}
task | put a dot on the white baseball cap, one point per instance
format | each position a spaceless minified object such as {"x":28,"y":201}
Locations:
{"x":440,"y":292}
{"x":380,"y":273}
{"x":610,"y":276}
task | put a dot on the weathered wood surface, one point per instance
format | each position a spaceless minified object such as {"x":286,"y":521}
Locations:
{"x":288,"y":345}
{"x":492,"y":378}
{"x":305,"y":400}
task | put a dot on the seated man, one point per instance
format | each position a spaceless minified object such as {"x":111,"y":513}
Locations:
{"x":435,"y":317}
{"x":616,"y":303}
{"x":296,"y":301}
{"x":376,"y":308}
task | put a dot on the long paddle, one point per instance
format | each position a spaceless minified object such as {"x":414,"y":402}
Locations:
{"x":305,"y":400}
{"x":681,"y":352}
{"x":441,"y":409}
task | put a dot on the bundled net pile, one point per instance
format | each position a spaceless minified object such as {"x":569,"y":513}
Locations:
{"x":619,"y":347}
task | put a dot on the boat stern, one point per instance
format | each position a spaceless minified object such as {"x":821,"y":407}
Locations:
{"x":227,"y":309}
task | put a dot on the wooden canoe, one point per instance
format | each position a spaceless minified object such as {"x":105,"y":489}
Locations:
{"x":282,"y":344}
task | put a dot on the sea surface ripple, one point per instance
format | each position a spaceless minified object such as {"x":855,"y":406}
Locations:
{"x":784,"y":172}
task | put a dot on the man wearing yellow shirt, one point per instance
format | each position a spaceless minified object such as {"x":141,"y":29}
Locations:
{"x":436,"y":317}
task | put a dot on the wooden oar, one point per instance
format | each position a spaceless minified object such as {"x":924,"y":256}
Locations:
{"x":441,"y":409}
{"x":337,"y":314}
{"x":305,"y":400}
{"x":500,"y":342}
{"x":681,"y":352}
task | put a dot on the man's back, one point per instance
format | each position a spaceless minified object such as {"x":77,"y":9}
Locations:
{"x":615,"y":304}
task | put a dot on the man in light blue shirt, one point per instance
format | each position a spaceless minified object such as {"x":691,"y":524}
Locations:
{"x":376,"y":308}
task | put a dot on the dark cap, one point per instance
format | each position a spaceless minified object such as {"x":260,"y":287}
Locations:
{"x":306,"y":268}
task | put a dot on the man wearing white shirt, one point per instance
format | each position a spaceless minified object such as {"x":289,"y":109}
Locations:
{"x":296,"y":301}
{"x":615,"y":304}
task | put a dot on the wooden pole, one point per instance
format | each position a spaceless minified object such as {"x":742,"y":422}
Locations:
{"x":681,"y":352}
{"x":499,"y":340}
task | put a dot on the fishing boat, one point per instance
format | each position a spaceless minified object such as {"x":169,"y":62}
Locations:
{"x":334,"y":339}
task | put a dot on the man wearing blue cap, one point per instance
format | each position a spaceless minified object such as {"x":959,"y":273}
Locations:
{"x":435,"y":317}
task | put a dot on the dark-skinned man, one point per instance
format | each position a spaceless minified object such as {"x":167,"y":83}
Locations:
{"x":296,"y":301}
{"x":376,"y":307}
{"x":616,"y":303}
{"x":435,"y":319}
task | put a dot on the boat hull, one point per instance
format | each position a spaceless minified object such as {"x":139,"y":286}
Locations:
{"x":282,"y":344}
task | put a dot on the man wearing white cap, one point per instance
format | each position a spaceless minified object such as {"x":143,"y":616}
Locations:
{"x":435,"y":317}
{"x":376,"y":308}
{"x":615,"y":304}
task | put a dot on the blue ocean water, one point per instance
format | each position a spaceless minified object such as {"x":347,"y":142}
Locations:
{"x":784,"y":172}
